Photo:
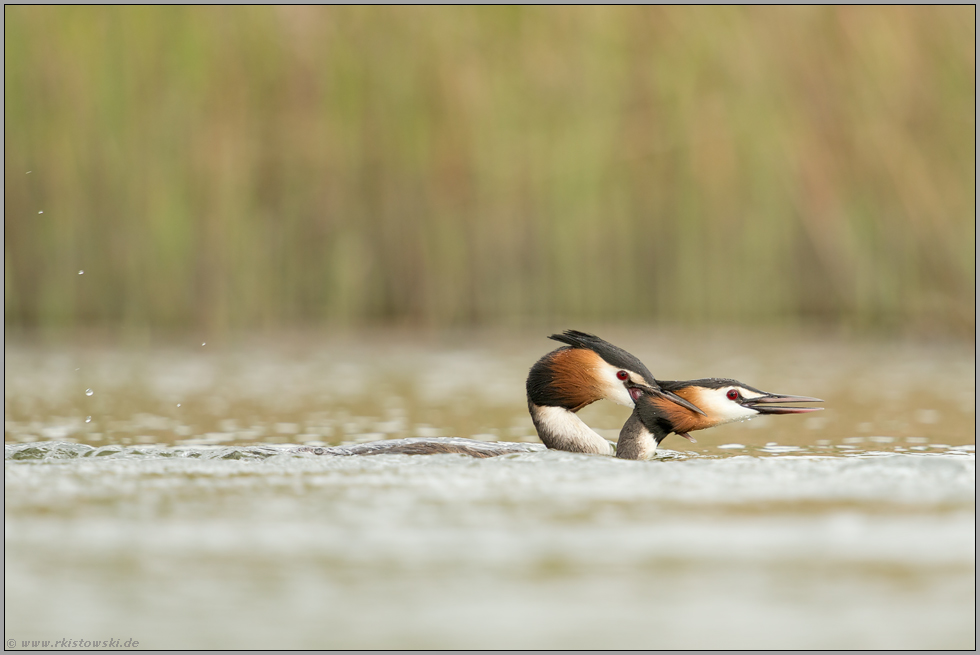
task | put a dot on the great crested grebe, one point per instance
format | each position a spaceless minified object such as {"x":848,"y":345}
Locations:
{"x":723,"y":401}
{"x":588,"y":369}
{"x":585,"y":370}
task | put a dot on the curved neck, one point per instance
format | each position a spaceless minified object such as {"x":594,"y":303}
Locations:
{"x":636,"y":441}
{"x":560,"y":429}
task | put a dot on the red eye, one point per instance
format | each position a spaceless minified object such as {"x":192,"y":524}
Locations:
{"x":623,"y":375}
{"x":732,"y":394}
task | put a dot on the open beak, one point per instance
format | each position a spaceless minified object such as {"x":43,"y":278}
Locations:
{"x":672,"y":397}
{"x":763,"y":405}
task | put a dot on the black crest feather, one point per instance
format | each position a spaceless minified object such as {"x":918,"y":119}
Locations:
{"x":706,"y":383}
{"x":614,"y":355}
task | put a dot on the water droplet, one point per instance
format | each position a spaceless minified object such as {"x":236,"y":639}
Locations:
{"x":28,"y":172}
{"x":88,"y":419}
{"x":204,"y":343}
{"x":178,"y":404}
{"x":81,"y":272}
{"x":40,"y":212}
{"x":89,"y":392}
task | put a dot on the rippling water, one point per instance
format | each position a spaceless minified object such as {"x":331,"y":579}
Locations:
{"x":197,"y":526}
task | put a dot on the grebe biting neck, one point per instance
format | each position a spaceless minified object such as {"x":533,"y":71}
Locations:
{"x":587,"y":369}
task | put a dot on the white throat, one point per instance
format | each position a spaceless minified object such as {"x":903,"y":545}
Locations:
{"x":560,"y":429}
{"x":636,"y":441}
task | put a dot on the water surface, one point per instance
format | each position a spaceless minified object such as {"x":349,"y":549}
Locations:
{"x":196,"y":526}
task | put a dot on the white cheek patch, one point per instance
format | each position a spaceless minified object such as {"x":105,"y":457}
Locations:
{"x":716,"y":404}
{"x":612,"y":387}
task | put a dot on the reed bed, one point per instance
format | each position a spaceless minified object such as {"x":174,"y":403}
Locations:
{"x":262,"y":167}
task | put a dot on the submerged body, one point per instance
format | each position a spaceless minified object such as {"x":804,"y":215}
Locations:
{"x":425,"y":446}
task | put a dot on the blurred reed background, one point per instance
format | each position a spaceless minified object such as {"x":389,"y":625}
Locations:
{"x":265,"y":167}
